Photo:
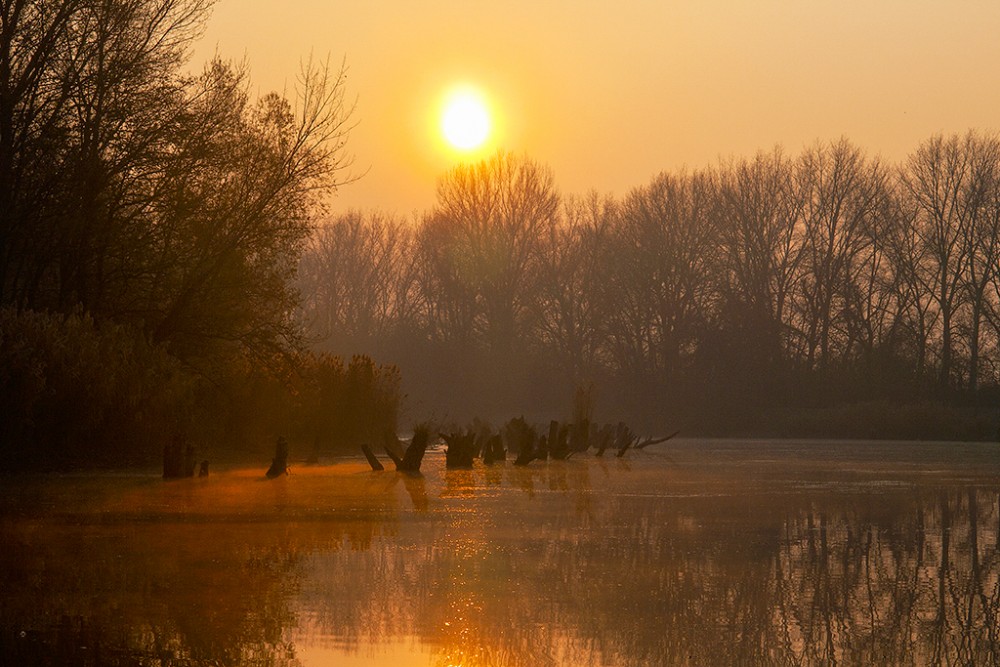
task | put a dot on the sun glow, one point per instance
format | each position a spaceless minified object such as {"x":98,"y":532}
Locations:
{"x":465,"y":121}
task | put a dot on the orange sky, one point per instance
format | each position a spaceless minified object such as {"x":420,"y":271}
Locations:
{"x":608,"y":94}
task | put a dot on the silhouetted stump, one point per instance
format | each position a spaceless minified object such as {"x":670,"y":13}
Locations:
{"x":494,"y":451}
{"x":483,"y":432}
{"x":203,"y":469}
{"x":372,"y":461}
{"x":522,"y":439}
{"x":461,"y":450}
{"x":623,"y":439}
{"x":397,"y":460}
{"x":413,"y":456}
{"x":559,"y":441}
{"x":279,"y":465}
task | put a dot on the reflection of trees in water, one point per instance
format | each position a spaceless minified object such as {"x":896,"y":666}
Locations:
{"x":581,"y":569}
{"x":848,"y":579}
{"x":157,"y":588}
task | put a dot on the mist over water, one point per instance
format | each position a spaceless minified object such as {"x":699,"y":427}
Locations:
{"x":700,"y":552}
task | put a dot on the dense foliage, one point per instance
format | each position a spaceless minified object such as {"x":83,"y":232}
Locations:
{"x":758,"y":291}
{"x":151,"y":222}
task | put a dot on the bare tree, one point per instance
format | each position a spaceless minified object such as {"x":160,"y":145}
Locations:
{"x":841,"y":194}
{"x":982,"y":240}
{"x":572,"y":316}
{"x":664,"y":257}
{"x":356,"y":280}
{"x":761,"y":249}
{"x":488,"y":220}
{"x":936,"y":177}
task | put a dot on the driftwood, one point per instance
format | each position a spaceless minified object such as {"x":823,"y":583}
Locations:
{"x":654,"y":441}
{"x":279,"y":465}
{"x":372,"y":461}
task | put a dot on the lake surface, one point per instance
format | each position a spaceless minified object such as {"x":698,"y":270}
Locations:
{"x":693,"y":552}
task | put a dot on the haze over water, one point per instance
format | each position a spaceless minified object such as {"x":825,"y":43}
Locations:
{"x":699,"y":552}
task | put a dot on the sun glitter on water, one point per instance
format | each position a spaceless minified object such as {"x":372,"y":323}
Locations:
{"x":465,"y":121}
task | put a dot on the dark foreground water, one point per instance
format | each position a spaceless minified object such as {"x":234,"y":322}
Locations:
{"x":695,"y":552}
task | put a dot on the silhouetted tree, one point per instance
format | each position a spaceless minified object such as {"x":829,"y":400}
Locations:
{"x":145,"y":195}
{"x":661,"y":267}
{"x":936,"y":180}
{"x":488,"y":221}
{"x":572,"y":308}
{"x":841,"y":195}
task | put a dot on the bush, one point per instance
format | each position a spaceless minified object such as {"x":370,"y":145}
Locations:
{"x":343,"y":407}
{"x":75,"y":393}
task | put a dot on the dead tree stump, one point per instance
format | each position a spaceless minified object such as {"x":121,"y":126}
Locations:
{"x":461,"y":450}
{"x":559,"y":442}
{"x":494,"y":451}
{"x":279,"y":465}
{"x":413,"y":456}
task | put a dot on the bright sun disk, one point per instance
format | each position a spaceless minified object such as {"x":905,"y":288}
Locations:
{"x":465,"y":122}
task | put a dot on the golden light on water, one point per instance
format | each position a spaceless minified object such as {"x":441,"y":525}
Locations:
{"x":465,"y":119}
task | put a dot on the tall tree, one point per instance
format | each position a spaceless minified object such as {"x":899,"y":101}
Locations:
{"x":665,"y":249}
{"x":572,"y":308}
{"x":760,"y":243}
{"x":489,"y":217}
{"x":147,"y":196}
{"x":841,"y":193}
{"x":936,"y":179}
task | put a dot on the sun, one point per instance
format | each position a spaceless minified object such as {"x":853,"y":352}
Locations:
{"x":465,"y":121}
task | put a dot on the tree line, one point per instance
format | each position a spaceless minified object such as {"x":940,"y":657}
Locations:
{"x":738,"y":296}
{"x":151,"y":221}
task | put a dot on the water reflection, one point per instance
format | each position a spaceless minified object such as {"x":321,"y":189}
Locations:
{"x":703,"y":558}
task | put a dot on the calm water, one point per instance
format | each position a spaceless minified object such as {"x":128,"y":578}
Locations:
{"x":692,"y":553}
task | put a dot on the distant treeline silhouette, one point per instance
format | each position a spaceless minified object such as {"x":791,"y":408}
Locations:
{"x":774,"y":288}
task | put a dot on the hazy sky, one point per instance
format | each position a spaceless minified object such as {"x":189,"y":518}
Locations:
{"x":610,"y":93}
